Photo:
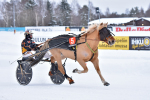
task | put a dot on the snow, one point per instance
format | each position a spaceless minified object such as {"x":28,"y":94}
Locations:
{"x":127,"y":72}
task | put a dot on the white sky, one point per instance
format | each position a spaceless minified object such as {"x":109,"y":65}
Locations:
{"x":118,"y":6}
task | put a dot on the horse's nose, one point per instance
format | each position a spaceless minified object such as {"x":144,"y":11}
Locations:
{"x":113,"y":41}
{"x":109,"y":42}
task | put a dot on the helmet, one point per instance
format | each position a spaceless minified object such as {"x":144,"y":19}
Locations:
{"x":28,"y":34}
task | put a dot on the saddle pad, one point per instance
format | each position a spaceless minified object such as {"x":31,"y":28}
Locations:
{"x":60,"y":39}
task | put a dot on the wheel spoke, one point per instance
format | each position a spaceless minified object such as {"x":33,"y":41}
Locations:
{"x":60,"y":77}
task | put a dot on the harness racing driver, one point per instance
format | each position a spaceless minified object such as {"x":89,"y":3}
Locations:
{"x":29,"y":45}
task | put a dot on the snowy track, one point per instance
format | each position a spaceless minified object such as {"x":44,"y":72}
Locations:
{"x":128,"y":73}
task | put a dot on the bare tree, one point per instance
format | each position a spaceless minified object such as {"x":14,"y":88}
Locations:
{"x":18,"y":11}
{"x":74,"y":14}
{"x":127,"y":12}
{"x":41,"y":10}
{"x":31,"y":11}
{"x":83,"y":13}
{"x":107,"y":13}
{"x":5,"y":12}
{"x":93,"y":14}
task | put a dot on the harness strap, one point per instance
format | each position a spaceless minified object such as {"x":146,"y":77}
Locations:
{"x":75,"y":54}
{"x":91,"y":51}
{"x":91,"y":48}
{"x":85,"y":40}
{"x":75,"y":50}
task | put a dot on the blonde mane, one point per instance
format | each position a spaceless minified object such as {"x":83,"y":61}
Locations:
{"x":95,"y":26}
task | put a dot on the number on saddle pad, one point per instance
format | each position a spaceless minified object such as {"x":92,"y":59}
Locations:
{"x":72,"y":40}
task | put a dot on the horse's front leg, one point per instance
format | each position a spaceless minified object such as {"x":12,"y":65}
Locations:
{"x":82,"y":63}
{"x":96,"y":65}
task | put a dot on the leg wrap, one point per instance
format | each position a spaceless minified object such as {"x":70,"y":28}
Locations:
{"x":66,"y":76}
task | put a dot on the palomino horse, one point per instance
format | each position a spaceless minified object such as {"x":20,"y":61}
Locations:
{"x":85,"y":51}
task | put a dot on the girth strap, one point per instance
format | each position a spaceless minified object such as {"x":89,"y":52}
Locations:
{"x":91,"y":57}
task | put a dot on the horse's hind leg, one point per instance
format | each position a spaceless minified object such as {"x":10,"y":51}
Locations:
{"x":57,"y":56}
{"x":96,"y":65}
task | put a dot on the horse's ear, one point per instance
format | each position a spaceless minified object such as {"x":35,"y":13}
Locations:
{"x":105,"y":24}
{"x":101,"y":24}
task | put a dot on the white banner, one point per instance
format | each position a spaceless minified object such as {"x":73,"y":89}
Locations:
{"x":132,"y":29}
{"x":40,"y":39}
{"x":46,"y":28}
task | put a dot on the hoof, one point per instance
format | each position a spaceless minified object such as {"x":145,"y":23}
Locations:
{"x":71,"y":82}
{"x":75,"y":70}
{"x":106,"y":84}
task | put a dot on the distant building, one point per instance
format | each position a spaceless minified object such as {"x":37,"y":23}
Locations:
{"x":129,"y":21}
{"x":143,"y":21}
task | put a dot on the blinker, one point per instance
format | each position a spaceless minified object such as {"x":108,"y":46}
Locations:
{"x":104,"y":33}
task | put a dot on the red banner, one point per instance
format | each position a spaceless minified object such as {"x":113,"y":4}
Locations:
{"x":129,"y":29}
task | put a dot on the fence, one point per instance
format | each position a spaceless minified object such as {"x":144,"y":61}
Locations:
{"x":128,"y":43}
{"x":136,"y":41}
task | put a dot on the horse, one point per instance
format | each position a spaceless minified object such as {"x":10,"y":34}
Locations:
{"x":86,"y":51}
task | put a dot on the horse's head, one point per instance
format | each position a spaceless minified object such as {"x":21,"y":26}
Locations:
{"x":105,"y":34}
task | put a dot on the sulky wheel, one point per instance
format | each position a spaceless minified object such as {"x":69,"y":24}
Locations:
{"x":57,"y":77}
{"x":24,"y":73}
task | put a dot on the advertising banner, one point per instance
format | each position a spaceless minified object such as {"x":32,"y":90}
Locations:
{"x":139,"y":43}
{"x":12,"y":29}
{"x":46,"y":28}
{"x":40,"y":39}
{"x":122,"y":43}
{"x":132,"y":29}
{"x":76,"y":28}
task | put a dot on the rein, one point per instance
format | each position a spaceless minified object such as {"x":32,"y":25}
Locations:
{"x":90,"y":39}
{"x":42,"y":43}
